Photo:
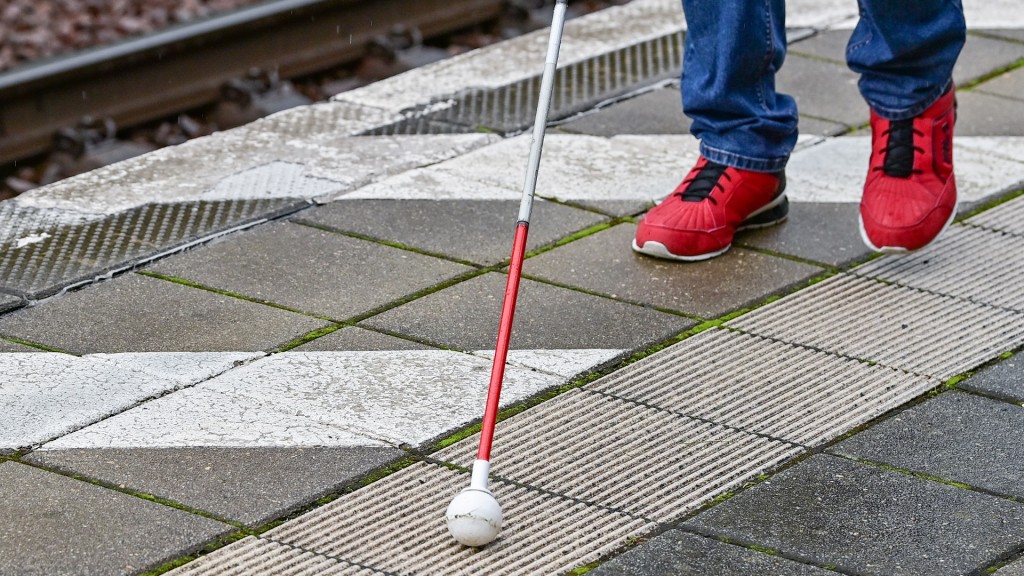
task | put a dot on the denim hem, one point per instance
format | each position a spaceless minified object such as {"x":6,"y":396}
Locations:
{"x":892,"y":114}
{"x":743,"y":162}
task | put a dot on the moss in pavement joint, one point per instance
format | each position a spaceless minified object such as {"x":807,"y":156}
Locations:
{"x":1002,"y":199}
{"x":389,"y":243}
{"x":990,"y":75}
{"x":583,"y":569}
{"x":589,"y":231}
{"x":309,"y":337}
{"x":37,"y":345}
{"x":211,"y":547}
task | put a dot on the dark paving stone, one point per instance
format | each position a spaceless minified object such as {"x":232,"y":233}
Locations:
{"x":605,"y":263}
{"x":1003,"y":380}
{"x":357,"y":339}
{"x":656,"y":112}
{"x":677,"y":553}
{"x":866,"y":520}
{"x":8,"y":302}
{"x":465,"y":229}
{"x":465,"y":316}
{"x":311,"y":270}
{"x":135,"y":313}
{"x":1012,"y":569}
{"x":1009,"y":85}
{"x":1015,"y":34}
{"x":249,"y":485}
{"x":829,"y":44}
{"x":54,"y":525}
{"x":823,"y":90}
{"x":820,"y":231}
{"x":981,"y":114}
{"x":955,"y":436}
{"x":8,"y":346}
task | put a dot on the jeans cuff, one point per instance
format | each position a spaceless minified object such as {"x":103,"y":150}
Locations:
{"x":892,"y":114}
{"x":743,"y":162}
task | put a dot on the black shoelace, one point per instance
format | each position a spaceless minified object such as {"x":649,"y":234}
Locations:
{"x":900,"y":149}
{"x":704,"y":183}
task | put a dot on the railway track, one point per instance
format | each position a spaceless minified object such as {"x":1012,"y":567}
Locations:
{"x":185,"y":67}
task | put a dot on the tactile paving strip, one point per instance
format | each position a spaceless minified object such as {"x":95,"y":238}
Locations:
{"x":68,"y":255}
{"x":623,"y":455}
{"x":1008,"y":217}
{"x":764,"y":386}
{"x":893,"y":325}
{"x":578,"y":87}
{"x":397,"y":525}
{"x":252,"y":557}
{"x":974,"y":263}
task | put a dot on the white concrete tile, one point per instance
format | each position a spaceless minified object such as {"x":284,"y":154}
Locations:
{"x":400,"y":396}
{"x":45,"y":395}
{"x":434,"y":183}
{"x":184,"y":367}
{"x":565,"y":363}
{"x":198,"y":417}
{"x":979,"y":13}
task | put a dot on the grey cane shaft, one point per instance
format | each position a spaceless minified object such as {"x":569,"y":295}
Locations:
{"x":543,"y":105}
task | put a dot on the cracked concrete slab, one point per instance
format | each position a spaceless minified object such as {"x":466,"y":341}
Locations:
{"x":605,"y":263}
{"x":105,"y":318}
{"x":317,"y":272}
{"x":863,"y":519}
{"x":53,"y":527}
{"x":465,"y":316}
{"x":247,"y":485}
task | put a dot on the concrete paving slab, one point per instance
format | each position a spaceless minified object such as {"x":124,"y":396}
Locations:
{"x":1012,"y":569}
{"x":200,"y":417}
{"x":1004,"y":379}
{"x":1007,"y":85}
{"x":893,"y":325}
{"x":677,"y":553}
{"x":685,"y":461}
{"x":605,"y":263}
{"x":828,"y":44}
{"x":8,"y":346}
{"x":464,"y":229}
{"x":48,"y":395}
{"x":823,"y":89}
{"x":656,"y":112}
{"x":954,"y":436}
{"x":354,"y":338}
{"x":994,"y":262}
{"x":819,"y":231}
{"x":863,"y":519}
{"x":820,"y":127}
{"x":1008,"y":33}
{"x":465,"y":316}
{"x":135,"y":313}
{"x":564,"y":363}
{"x":248,"y":485}
{"x":185,"y":368}
{"x":311,"y":270}
{"x":55,"y":525}
{"x":8,"y":302}
{"x":981,"y":114}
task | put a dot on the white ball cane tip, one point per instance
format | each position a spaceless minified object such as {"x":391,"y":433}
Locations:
{"x":474,"y":517}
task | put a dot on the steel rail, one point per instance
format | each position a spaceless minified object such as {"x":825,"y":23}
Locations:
{"x":176,"y":69}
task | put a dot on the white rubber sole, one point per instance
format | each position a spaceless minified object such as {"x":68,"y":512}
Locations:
{"x":899,"y":249}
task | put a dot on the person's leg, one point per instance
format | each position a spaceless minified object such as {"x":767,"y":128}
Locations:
{"x":905,"y":53}
{"x":746,"y":131}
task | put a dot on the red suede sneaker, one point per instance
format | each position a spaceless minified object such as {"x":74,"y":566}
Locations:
{"x":698,"y":220}
{"x":910,"y":192}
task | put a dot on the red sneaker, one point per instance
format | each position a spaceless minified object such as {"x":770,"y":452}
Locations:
{"x":910,"y":192}
{"x":698,"y":220}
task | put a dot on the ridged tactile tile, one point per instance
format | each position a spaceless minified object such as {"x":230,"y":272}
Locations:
{"x":256,"y":557}
{"x":397,"y":525}
{"x":974,"y":263}
{"x":764,"y":386}
{"x":1008,"y":217}
{"x":893,"y":325}
{"x":623,"y":455}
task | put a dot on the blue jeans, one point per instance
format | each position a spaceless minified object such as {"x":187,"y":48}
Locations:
{"x":904,"y":51}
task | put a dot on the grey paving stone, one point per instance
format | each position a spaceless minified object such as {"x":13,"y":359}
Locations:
{"x":1012,"y":569}
{"x":8,"y":302}
{"x":465,"y":316}
{"x":820,"y":231}
{"x":605,"y":263}
{"x":819,"y":127}
{"x":1009,"y":85}
{"x":465,"y":229}
{"x":981,"y":114}
{"x":354,"y":338}
{"x":1016,"y":34}
{"x":249,"y":485}
{"x":8,"y":346}
{"x":311,"y":270}
{"x":135,"y":313}
{"x":677,"y":553}
{"x":868,"y":520}
{"x":955,"y":436}
{"x":830,"y":44}
{"x":1004,"y":380}
{"x":656,"y":112}
{"x":54,"y":525}
{"x":822,"y":89}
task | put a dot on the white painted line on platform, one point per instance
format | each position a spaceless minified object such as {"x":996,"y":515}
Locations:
{"x":184,"y":367}
{"x":564,"y":363}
